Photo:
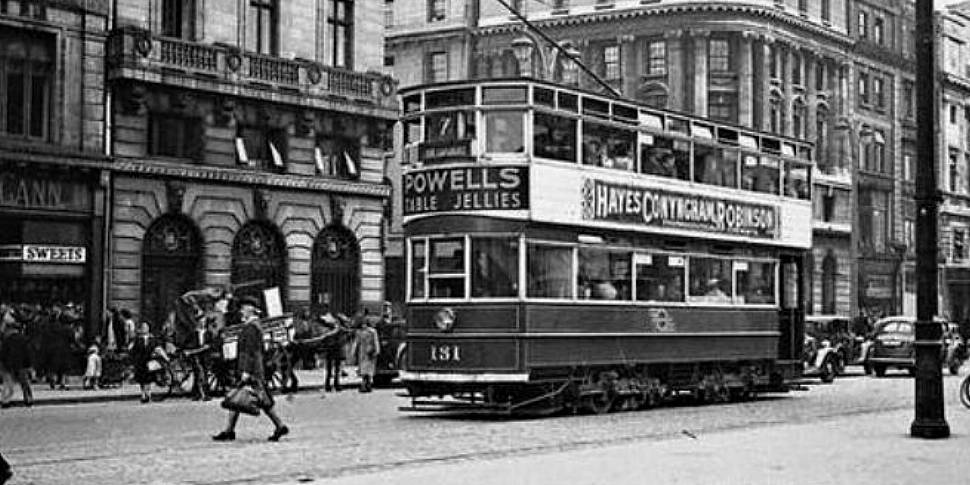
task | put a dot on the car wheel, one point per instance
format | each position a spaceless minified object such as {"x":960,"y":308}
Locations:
{"x":880,"y":370}
{"x":828,"y":371}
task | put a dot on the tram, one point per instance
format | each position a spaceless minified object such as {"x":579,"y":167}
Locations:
{"x":571,"y":251}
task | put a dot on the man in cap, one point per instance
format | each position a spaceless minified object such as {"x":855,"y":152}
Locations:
{"x":250,"y":364}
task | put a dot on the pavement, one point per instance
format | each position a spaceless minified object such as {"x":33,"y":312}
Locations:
{"x":75,"y":394}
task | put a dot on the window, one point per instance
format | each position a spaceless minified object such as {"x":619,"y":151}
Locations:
{"x":28,"y":8}
{"x":715,"y":166}
{"x":909,"y":170}
{"x":826,"y":10}
{"x":178,"y":18}
{"x":719,"y":52}
{"x":436,"y":69}
{"x":863,"y":88}
{"x":437,"y":10}
{"x":419,"y":269}
{"x":449,"y":126}
{"x":953,"y":114}
{"x":261,"y":147}
{"x":722,"y":106}
{"x":446,"y":268}
{"x":877,"y":153}
{"x":909,"y":101}
{"x":504,"y":132}
{"x":604,"y":274}
{"x":796,"y":69}
{"x":772,"y":55}
{"x":798,"y":120}
{"x":821,"y":137}
{"x":26,"y":73}
{"x":959,"y":245}
{"x":863,"y":25}
{"x":878,"y":92}
{"x":660,"y":277}
{"x":339,"y":156}
{"x":261,"y":25}
{"x":550,"y":271}
{"x":609,"y":147}
{"x":656,"y":64}
{"x":828,"y":206}
{"x":909,"y":234}
{"x":830,"y":271}
{"x":611,"y":62}
{"x":820,"y":84}
{"x":495,"y":267}
{"x":341,"y":23}
{"x":710,"y":279}
{"x":174,"y":136}
{"x":954,"y":171}
{"x":775,"y":114}
{"x":664,"y":156}
{"x":878,"y":30}
{"x":802,"y":6}
{"x":760,"y":174}
{"x":554,"y":137}
{"x":388,"y":14}
{"x":388,"y":61}
{"x":755,"y":282}
{"x":873,"y":219}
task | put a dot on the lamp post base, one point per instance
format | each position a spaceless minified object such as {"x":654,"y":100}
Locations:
{"x":929,"y":429}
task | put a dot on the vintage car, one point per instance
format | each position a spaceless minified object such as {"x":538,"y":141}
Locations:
{"x":829,"y":346}
{"x":892,"y":346}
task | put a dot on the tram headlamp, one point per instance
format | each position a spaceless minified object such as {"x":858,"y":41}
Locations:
{"x":445,"y":319}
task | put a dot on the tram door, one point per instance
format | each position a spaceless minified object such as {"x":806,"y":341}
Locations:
{"x":791,"y":319}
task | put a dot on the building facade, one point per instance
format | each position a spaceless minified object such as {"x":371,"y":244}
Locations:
{"x":833,"y":71}
{"x":248,"y":142}
{"x":53,"y":172}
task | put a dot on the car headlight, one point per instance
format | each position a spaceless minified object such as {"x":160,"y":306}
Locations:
{"x":445,"y":319}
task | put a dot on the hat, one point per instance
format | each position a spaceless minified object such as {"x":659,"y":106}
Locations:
{"x":249,"y":300}
{"x":93,"y":349}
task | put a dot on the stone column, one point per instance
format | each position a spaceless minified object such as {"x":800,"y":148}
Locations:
{"x":675,"y":69}
{"x":767,"y":42}
{"x":811,"y":97}
{"x":746,"y":81}
{"x":788,"y":90}
{"x":701,"y":82}
{"x":630,"y":71}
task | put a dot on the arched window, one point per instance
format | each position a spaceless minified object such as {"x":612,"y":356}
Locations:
{"x":829,"y":274}
{"x":335,"y":269}
{"x":26,"y":73}
{"x":258,"y":260}
{"x":171,"y":265}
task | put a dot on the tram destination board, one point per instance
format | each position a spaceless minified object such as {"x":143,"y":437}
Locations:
{"x":466,"y":189}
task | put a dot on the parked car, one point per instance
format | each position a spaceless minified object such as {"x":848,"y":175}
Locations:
{"x":828,"y":348}
{"x":892,"y":346}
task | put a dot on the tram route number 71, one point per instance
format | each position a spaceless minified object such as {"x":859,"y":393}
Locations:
{"x":445,"y":353}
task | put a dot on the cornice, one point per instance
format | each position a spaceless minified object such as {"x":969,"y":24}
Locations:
{"x":955,"y":81}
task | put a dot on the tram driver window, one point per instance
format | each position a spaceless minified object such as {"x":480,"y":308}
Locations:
{"x":714,"y":166}
{"x":554,"y":137}
{"x":504,"y":133}
{"x":446,"y":268}
{"x":550,"y":271}
{"x":756,"y":282}
{"x":660,"y":278}
{"x":710,"y":280}
{"x":603,"y":274}
{"x":419,"y":252}
{"x":495,"y":268}
{"x":450,"y":126}
{"x":608,"y":147}
{"x":664,"y":156}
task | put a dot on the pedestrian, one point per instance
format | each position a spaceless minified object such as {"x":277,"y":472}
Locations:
{"x":129,"y":329}
{"x":250,"y":365}
{"x":5,"y":472}
{"x":142,"y":354}
{"x":367,"y":347}
{"x":15,"y":364}
{"x":92,"y":371}
{"x":332,"y":345}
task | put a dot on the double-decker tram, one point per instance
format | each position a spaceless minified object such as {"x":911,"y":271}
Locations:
{"x":570,"y":251}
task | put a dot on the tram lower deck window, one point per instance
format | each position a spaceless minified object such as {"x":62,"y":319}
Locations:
{"x":446,"y":268}
{"x":710,"y":279}
{"x":550,"y":271}
{"x":660,"y":278}
{"x":604,"y":274}
{"x":495,"y":267}
{"x":755,"y":282}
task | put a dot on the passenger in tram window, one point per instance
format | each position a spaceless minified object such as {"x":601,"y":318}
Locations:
{"x":504,"y":132}
{"x":621,"y":154}
{"x":707,"y":170}
{"x":554,"y":137}
{"x":714,"y":289}
{"x":593,"y":152}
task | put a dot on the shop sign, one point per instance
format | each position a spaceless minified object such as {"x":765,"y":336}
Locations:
{"x":466,"y":189}
{"x":54,"y":254}
{"x":24,"y":191}
{"x":613,"y":202}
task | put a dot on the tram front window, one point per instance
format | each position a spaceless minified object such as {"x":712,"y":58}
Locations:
{"x":495,"y":267}
{"x":550,"y":271}
{"x":446,"y":268}
{"x":759,"y":174}
{"x":504,"y":133}
{"x":554,"y":137}
{"x":418,"y":270}
{"x":756,"y":282}
{"x":710,"y":280}
{"x":797,"y":182}
{"x":660,"y":278}
{"x":604,"y":274}
{"x":450,"y":127}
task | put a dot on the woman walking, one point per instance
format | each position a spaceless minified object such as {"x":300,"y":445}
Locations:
{"x":367,"y":347}
{"x":250,"y":362}
{"x":142,"y":352}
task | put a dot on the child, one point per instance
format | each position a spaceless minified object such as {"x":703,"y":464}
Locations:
{"x":92,"y":374}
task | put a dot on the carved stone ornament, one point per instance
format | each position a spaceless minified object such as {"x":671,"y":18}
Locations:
{"x":260,"y":203}
{"x":175,"y":193}
{"x":225,"y":111}
{"x":305,"y":123}
{"x":337,"y":210}
{"x":313,"y":73}
{"x":233,"y":60}
{"x":143,"y":44}
{"x":133,"y":99}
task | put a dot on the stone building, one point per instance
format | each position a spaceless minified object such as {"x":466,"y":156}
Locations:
{"x":838,"y":72}
{"x":248,"y":143}
{"x":53,"y":172}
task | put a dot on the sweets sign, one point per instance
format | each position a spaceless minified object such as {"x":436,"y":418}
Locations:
{"x":466,"y":189}
{"x":605,"y":201}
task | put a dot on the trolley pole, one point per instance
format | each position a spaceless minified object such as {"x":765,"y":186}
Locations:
{"x":930,"y":420}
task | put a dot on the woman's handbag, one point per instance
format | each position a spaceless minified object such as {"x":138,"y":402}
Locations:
{"x":154,"y":365}
{"x":243,"y":399}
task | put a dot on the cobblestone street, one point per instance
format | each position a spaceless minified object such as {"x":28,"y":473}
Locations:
{"x":350,"y":434}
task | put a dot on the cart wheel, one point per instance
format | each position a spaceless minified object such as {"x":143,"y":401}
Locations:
{"x":182,"y":378}
{"x":828,"y":371}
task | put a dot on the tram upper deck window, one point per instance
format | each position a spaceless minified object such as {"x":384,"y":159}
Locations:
{"x":549,"y":271}
{"x":756,"y":282}
{"x":710,"y":279}
{"x":446,"y":268}
{"x":660,"y":277}
{"x":419,"y":254}
{"x":568,"y":102}
{"x":517,"y":95}
{"x":797,"y":181}
{"x":607,"y":146}
{"x":450,"y":126}
{"x":495,"y":267}
{"x":604,"y":274}
{"x":412,"y":130}
{"x":715,"y":166}
{"x":412,"y":103}
{"x":544,"y":97}
{"x":554,"y":137}
{"x":667,"y":157}
{"x":759,"y":174}
{"x":504,"y":133}
{"x":449,"y":98}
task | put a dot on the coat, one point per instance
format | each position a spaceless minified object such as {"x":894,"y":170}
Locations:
{"x":142,"y":351}
{"x":367,"y":346}
{"x":15,"y":355}
{"x":250,"y":350}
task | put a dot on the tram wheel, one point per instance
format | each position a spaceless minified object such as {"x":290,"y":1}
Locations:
{"x":600,"y":403}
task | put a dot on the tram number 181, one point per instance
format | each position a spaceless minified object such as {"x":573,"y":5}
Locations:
{"x":445,"y":353}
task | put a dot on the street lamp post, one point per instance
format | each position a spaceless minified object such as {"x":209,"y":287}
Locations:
{"x":930,"y":421}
